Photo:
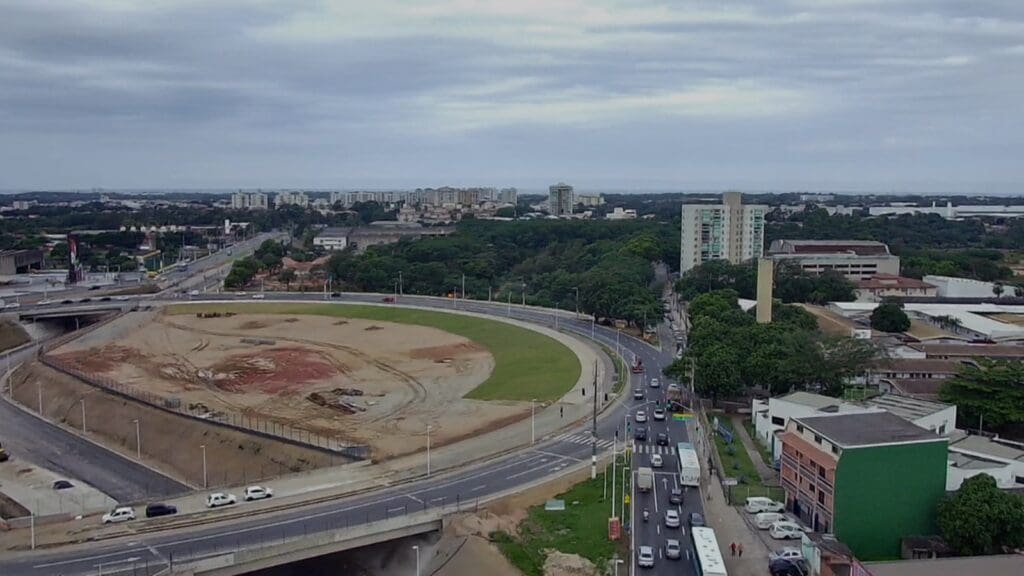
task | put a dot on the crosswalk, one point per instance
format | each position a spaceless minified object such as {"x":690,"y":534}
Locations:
{"x":653,"y":449}
{"x":638,"y":448}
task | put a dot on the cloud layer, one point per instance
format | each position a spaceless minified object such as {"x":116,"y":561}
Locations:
{"x":843,"y":94}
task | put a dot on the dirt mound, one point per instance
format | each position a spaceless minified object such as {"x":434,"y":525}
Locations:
{"x":252,"y":325}
{"x":486,"y":522}
{"x":104,"y":359}
{"x":449,"y":352}
{"x":272,"y":371}
{"x":335,"y":400}
{"x":373,"y":328}
{"x":562,"y":564}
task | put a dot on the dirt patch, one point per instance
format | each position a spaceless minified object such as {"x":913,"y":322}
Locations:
{"x":103,"y":359}
{"x":335,"y":400}
{"x":12,"y":335}
{"x":562,"y":564}
{"x":274,"y":371}
{"x":448,"y":352}
{"x":252,"y":325}
{"x":372,"y":328}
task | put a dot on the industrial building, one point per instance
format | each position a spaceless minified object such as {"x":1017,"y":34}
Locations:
{"x":855,"y":259}
{"x":730,"y":231}
{"x":20,"y":261}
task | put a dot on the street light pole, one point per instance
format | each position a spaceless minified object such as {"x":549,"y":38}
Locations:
{"x":82,"y":402}
{"x":417,"y":549}
{"x":401,"y":287}
{"x":428,"y":450}
{"x":577,"y":288}
{"x":463,"y":286}
{"x":533,"y":404}
{"x":509,"y":314}
{"x":138,"y":440}
{"x":205,"y":483}
{"x":524,"y":292}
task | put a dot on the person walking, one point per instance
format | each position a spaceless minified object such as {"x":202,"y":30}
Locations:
{"x":739,"y":550}
{"x":733,"y":548}
{"x":561,"y":411}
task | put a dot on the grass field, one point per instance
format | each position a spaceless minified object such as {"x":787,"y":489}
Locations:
{"x":737,"y":464}
{"x":527,"y":364}
{"x":582,"y":528}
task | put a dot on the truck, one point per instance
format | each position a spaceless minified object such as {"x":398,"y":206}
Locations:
{"x":638,"y":366}
{"x":689,"y":464}
{"x":644,"y":479}
{"x":674,"y":397}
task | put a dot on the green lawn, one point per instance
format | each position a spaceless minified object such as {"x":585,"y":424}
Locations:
{"x":737,"y":464}
{"x":623,"y":369}
{"x":766,"y":454}
{"x":582,"y":528}
{"x":527,"y":364}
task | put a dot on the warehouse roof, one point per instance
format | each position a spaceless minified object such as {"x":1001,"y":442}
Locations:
{"x":867,"y":429}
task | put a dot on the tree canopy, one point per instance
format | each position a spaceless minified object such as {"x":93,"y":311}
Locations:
{"x":981,"y":519}
{"x":889,"y":316}
{"x":992,"y":391}
{"x":792,"y":284}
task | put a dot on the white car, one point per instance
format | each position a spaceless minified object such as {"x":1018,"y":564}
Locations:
{"x":787,"y":553}
{"x":785,"y":530}
{"x":659,"y":413}
{"x":122,"y":514}
{"x":655,"y":383}
{"x":656,"y":461}
{"x":641,"y":416}
{"x":645,"y":558}
{"x":672,"y":549}
{"x":257,"y":493}
{"x":757,"y":504}
{"x":258,"y":296}
{"x":220,"y":499}
{"x":671,"y":518}
{"x":764,"y":520}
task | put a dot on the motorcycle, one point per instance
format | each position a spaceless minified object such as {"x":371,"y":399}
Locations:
{"x":646,"y":514}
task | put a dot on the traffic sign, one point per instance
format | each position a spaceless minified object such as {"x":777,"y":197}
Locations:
{"x":626,"y":499}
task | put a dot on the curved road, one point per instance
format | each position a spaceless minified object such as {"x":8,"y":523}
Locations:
{"x":152,"y":553}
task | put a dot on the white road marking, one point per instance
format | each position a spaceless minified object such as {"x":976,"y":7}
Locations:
{"x":414,"y":498}
{"x":398,"y":509}
{"x":480,"y":487}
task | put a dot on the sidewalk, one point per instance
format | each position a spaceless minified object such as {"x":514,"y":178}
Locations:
{"x":768,"y":477}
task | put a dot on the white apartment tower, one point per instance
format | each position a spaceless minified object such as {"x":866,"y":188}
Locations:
{"x":560,"y":199}
{"x":730,"y":231}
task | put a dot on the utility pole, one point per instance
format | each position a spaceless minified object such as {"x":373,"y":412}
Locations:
{"x":82,"y":402}
{"x":401,"y":288}
{"x":509,"y":313}
{"x":577,"y":288}
{"x":463,"y":286}
{"x":524,"y":292}
{"x":593,"y":432}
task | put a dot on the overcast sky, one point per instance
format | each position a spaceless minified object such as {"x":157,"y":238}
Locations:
{"x":883,"y":95}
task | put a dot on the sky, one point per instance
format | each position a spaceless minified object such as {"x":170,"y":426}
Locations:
{"x":845,"y":95}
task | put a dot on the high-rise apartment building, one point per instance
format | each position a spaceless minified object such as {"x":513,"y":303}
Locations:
{"x":560,"y":199}
{"x":249,"y":201}
{"x":730,"y":231}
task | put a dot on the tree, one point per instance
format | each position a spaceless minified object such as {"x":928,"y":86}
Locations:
{"x":992,"y":391}
{"x":997,"y":289}
{"x":287,"y":276}
{"x":982,"y":519}
{"x":890,"y":317}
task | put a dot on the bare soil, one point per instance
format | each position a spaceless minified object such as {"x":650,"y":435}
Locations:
{"x":12,"y":335}
{"x":368,"y":382}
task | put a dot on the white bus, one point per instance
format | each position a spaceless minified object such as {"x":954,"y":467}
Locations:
{"x":689,"y":464}
{"x":708,"y":557}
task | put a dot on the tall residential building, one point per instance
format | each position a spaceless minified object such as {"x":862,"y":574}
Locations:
{"x":296,"y":198}
{"x":730,"y":231}
{"x":509,"y":195}
{"x":249,"y":201}
{"x":560,"y":199}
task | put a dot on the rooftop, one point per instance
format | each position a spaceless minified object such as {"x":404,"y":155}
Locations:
{"x":919,"y":365}
{"x":1003,"y":565}
{"x":335,"y":232}
{"x":906,"y":407}
{"x":867,"y":429}
{"x":988,"y":447}
{"x":972,"y":350}
{"x":926,"y":388}
{"x":816,"y":401}
{"x":882,"y":281}
{"x":855,"y":247}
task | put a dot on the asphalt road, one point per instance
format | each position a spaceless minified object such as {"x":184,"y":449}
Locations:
{"x":149,"y":554}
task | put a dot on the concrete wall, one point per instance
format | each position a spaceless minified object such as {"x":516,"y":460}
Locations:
{"x":942,"y":422}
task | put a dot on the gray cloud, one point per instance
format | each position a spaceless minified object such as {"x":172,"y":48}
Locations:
{"x":793,"y":93}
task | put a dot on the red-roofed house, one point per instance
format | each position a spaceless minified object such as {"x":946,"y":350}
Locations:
{"x":881,"y":286}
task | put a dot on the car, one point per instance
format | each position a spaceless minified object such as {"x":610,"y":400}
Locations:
{"x":645,"y":558}
{"x":193,"y":293}
{"x":764,"y":520}
{"x":257,"y":493}
{"x":640,"y":434}
{"x":388,"y":299}
{"x":659,"y":413}
{"x":784,"y":567}
{"x":62,"y":485}
{"x":119,"y":514}
{"x":258,"y":296}
{"x":641,"y":416}
{"x":655,"y":383}
{"x":218,"y":499}
{"x":672,"y":549}
{"x":785,"y":530}
{"x":638,"y":393}
{"x":94,"y":287}
{"x":675,"y":496}
{"x":335,"y":294}
{"x":756,"y":504}
{"x":159,"y":509}
{"x":105,"y":299}
{"x":240,"y":293}
{"x":656,"y":461}
{"x":787,"y":553}
{"x":662,"y":439}
{"x":65,"y":301}
{"x":671,"y":518}
{"x":696,"y":519}
{"x":84,"y":300}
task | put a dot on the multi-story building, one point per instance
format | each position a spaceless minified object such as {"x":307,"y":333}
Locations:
{"x":249,"y":201}
{"x":293,"y":198}
{"x":589,"y":200}
{"x":855,"y":259}
{"x":560,"y":199}
{"x":869,"y":478}
{"x":730,"y":231}
{"x":508,"y":196}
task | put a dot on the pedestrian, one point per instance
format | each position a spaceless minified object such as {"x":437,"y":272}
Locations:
{"x":739,"y":550}
{"x":733,"y":548}
{"x":561,"y":411}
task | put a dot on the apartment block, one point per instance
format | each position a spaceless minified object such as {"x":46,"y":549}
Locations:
{"x":730,"y":231}
{"x":561,"y":199}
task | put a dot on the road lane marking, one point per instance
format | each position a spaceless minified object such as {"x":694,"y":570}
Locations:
{"x":400,"y":508}
{"x":557,"y":456}
{"x":480,"y":487}
{"x":414,"y":498}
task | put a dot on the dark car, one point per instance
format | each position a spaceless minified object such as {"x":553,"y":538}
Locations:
{"x":640,"y":434}
{"x":85,"y":300}
{"x":676,"y":496}
{"x":696,"y":519}
{"x":638,"y":393}
{"x":662,"y":439}
{"x":105,"y":299}
{"x":65,"y":301}
{"x":335,"y":294}
{"x":787,"y":567}
{"x":62,"y":485}
{"x":158,"y":509}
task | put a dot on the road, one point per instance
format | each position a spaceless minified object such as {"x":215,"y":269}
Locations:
{"x":150,"y":553}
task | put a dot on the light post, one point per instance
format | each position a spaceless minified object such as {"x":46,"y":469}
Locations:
{"x":533,"y":404}
{"x":401,"y":287}
{"x":577,"y":288}
{"x":39,"y":390}
{"x":509,"y":313}
{"x":203,"y":448}
{"x":138,"y":440}
{"x":428,"y":450}
{"x":82,"y":402}
{"x":417,"y":549}
{"x":524,"y":292}
{"x":617,"y":562}
{"x":463,"y":286}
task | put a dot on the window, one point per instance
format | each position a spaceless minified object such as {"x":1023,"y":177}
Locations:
{"x":799,"y":428}
{"x":817,"y":438}
{"x":821,"y":471}
{"x":778,"y":421}
{"x":821,"y":498}
{"x":942,"y":430}
{"x":835,"y":449}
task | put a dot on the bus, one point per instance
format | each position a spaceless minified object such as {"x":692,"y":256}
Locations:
{"x":689,"y":464}
{"x":708,"y":557}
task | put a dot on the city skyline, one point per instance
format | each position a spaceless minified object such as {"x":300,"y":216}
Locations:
{"x":858,"y":96}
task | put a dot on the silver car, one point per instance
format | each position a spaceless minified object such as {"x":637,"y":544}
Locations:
{"x":672,"y":549}
{"x":645,"y":558}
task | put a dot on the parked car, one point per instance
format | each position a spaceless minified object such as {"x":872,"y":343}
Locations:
{"x":787,"y":553}
{"x":785,"y":530}
{"x":258,"y":296}
{"x":659,"y":413}
{"x":335,"y":294}
{"x":62,"y":485}
{"x":675,"y":496}
{"x":120,"y":514}
{"x":645,"y":559}
{"x":783,"y":567}
{"x":696,"y":519}
{"x":640,"y":434}
{"x":671,"y":518}
{"x":672,"y":549}
{"x":662,"y":439}
{"x":655,"y":383}
{"x":159,"y":509}
{"x":757,"y":504}
{"x":641,"y":416}
{"x":257,"y":493}
{"x":638,"y":393}
{"x":218,"y":499}
{"x":764,"y":520}
{"x":656,"y":461}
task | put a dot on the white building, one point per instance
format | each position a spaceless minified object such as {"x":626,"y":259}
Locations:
{"x":972,"y":455}
{"x":508,"y":196}
{"x":561,"y":199}
{"x":293,"y":198}
{"x":951,"y":287}
{"x":618,"y":213}
{"x":590,"y":200}
{"x":949,"y":211}
{"x":333,"y":239}
{"x":855,"y":259}
{"x":249,"y":201}
{"x":730,"y":231}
